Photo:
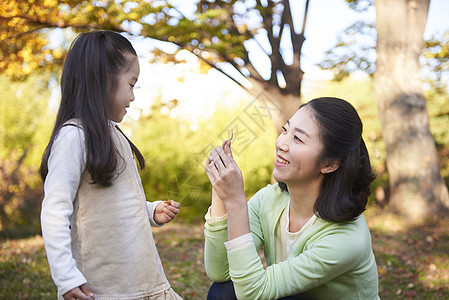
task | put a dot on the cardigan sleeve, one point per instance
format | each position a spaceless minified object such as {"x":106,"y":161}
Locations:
{"x":216,"y":235}
{"x":332,"y":254}
{"x":65,"y":167}
{"x":215,"y":257}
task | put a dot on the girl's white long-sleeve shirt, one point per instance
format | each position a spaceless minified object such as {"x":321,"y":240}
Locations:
{"x":66,"y":165}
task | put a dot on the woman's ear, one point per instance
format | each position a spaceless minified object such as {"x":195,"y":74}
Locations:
{"x":330,"y":166}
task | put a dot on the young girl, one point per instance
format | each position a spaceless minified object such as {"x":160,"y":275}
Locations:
{"x":95,"y":218}
{"x":317,"y":244}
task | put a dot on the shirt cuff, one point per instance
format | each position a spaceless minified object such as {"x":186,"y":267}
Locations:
{"x":239,"y":242}
{"x":211,"y":220}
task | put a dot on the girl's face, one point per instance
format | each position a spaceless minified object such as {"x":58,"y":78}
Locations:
{"x":298,"y":149}
{"x":124,"y":91}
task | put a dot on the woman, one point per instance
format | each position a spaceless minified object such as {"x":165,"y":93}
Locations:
{"x":317,"y":244}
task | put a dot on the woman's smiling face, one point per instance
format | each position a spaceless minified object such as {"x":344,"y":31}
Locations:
{"x":298,"y":150}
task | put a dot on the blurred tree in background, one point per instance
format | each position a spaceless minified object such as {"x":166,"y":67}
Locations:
{"x":216,"y":32}
{"x":25,"y":124}
{"x":219,"y":34}
{"x":436,"y":54}
{"x":176,"y":153}
{"x":416,"y":187}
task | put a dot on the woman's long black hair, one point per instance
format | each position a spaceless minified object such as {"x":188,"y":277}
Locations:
{"x":88,"y":83}
{"x":344,"y":192}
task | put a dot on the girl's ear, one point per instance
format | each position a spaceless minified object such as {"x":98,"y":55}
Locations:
{"x":330,"y":166}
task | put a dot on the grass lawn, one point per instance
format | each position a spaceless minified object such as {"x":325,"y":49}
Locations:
{"x":413,"y":261}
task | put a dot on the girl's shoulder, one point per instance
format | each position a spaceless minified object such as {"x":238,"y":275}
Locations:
{"x":71,"y":131}
{"x":72,"y":123}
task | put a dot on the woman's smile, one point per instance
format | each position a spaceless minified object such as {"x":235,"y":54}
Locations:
{"x":280,"y":161}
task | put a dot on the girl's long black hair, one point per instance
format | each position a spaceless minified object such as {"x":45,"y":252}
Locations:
{"x":88,"y":83}
{"x":344,"y":192}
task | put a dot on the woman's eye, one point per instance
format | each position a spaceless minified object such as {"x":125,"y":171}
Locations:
{"x":297,"y":138}
{"x":284,"y":129}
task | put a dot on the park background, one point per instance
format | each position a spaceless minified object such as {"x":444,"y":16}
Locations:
{"x":185,"y":105}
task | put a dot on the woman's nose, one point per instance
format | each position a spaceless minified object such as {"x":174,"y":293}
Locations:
{"x":281,"y":143}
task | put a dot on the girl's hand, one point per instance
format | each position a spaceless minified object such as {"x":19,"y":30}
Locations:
{"x":166,"y":211}
{"x":81,"y":293}
{"x":225,"y":175}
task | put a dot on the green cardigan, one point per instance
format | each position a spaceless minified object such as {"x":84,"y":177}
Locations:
{"x":328,"y":261}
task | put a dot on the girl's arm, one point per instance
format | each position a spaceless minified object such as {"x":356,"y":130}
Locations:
{"x":65,"y":167}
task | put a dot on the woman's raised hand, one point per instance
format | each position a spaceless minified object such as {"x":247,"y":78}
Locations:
{"x":225,"y":175}
{"x":227,"y":183}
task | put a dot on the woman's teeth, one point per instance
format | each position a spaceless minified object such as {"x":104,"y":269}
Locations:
{"x":283,"y":161}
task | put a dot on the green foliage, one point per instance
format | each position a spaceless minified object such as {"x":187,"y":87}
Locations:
{"x":25,"y":26}
{"x":214,"y":30}
{"x":436,"y":53}
{"x":438,"y":107}
{"x":354,"y":51}
{"x":176,"y":152}
{"x":360,"y":5}
{"x":25,"y":123}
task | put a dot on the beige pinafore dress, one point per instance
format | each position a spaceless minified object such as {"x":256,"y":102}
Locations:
{"x":112,"y":241}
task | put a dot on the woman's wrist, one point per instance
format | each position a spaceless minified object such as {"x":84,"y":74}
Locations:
{"x":236,"y":205}
{"x":217,"y":208}
{"x":238,"y":221}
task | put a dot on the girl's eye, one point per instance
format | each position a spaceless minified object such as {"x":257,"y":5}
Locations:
{"x":284,"y":129}
{"x":297,"y":138}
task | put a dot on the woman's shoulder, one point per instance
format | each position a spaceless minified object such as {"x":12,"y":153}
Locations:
{"x":350,"y":237}
{"x":357,"y":225}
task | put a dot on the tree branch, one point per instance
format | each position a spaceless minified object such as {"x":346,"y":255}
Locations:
{"x":219,"y":70}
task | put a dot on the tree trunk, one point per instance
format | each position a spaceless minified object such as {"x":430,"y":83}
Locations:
{"x":418,"y":190}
